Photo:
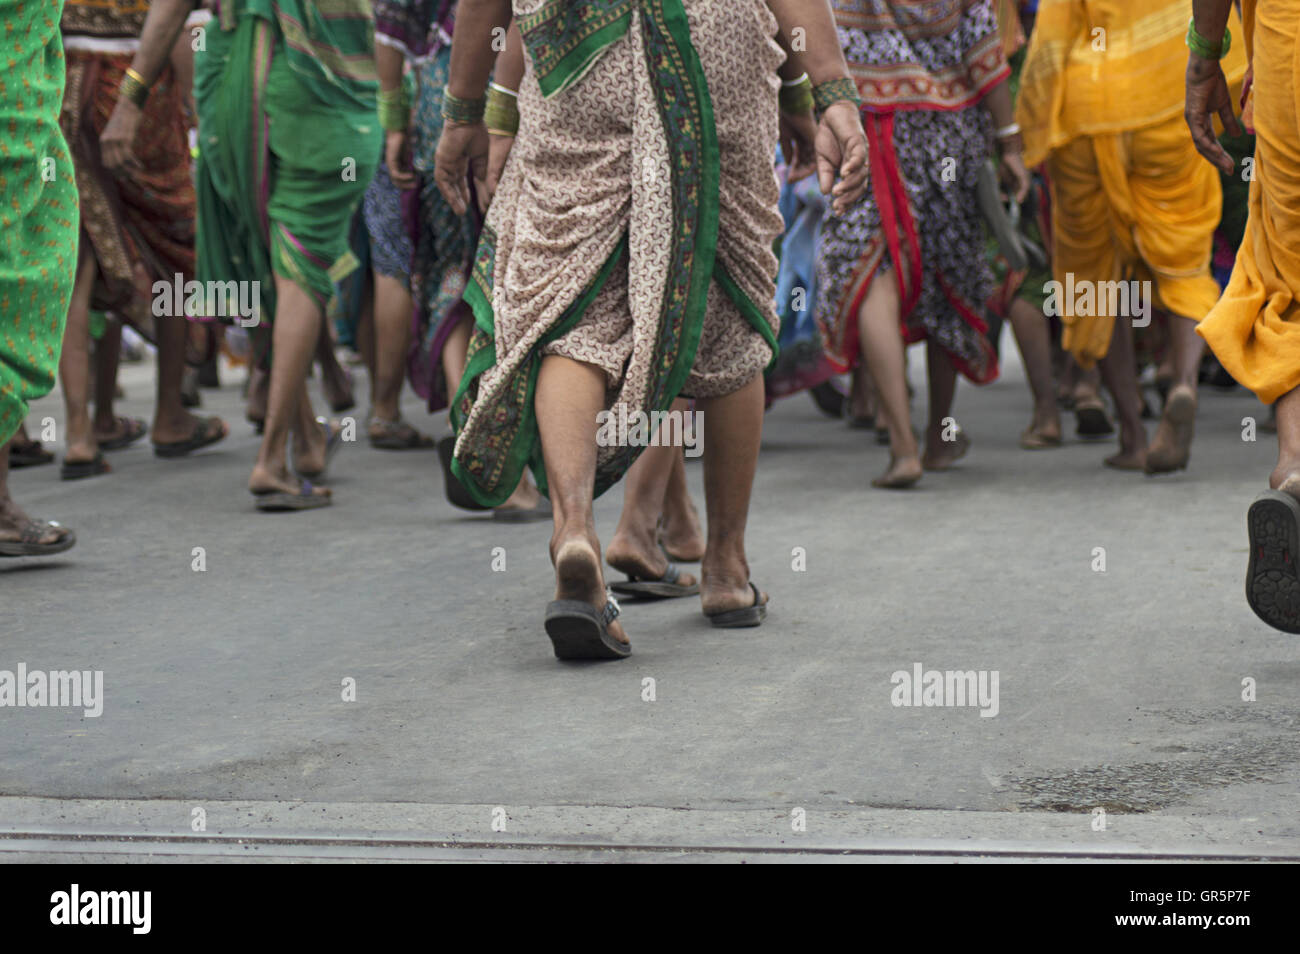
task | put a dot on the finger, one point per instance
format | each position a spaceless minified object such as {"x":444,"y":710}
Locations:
{"x":1229,"y":119}
{"x":825,"y":174}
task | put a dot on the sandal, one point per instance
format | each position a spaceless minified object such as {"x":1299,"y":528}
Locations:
{"x":1034,"y":439}
{"x":665,"y":587}
{"x":745,"y":616}
{"x":277,"y":501}
{"x":80,"y":469}
{"x":396,"y":435}
{"x":1090,"y":418}
{"x":29,"y":540}
{"x":133,"y":428}
{"x":580,"y":631}
{"x":203,"y":436}
{"x":333,"y":441}
{"x":30,"y":454}
{"x":1272,"y":579}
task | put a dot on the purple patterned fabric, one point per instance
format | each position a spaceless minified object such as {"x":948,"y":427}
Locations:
{"x":417,"y":27}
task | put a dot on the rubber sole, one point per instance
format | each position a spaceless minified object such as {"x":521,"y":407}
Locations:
{"x":576,"y":632}
{"x":654,"y":589}
{"x":1272,"y":579}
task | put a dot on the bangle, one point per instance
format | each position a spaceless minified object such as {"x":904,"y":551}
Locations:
{"x":394,"y":109}
{"x":501,"y":113}
{"x":133,"y":87}
{"x":796,"y":96}
{"x":1203,"y":47}
{"x":466,"y":111}
{"x":832,"y":91}
{"x":1006,"y":132}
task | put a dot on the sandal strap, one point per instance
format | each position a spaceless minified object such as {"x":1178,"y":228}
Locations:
{"x":611,"y":610}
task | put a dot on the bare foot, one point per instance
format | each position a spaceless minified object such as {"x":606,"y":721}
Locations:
{"x":525,"y":497}
{"x":1286,"y":478}
{"x":179,"y":427}
{"x":725,"y":586}
{"x":578,"y":576}
{"x":1128,"y":460}
{"x":640,"y":558}
{"x":1044,"y":431}
{"x":941,"y":454}
{"x":264,"y":480}
{"x":902,"y":472}
{"x":311,"y":450}
{"x":1172,"y":446}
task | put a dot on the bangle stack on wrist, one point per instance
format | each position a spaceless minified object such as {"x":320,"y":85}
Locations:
{"x":796,"y":96}
{"x":463,"y":111}
{"x":1203,"y":47}
{"x":133,"y":87}
{"x":502,"y":111}
{"x":833,"y":91}
{"x":1008,"y":139}
{"x":395,"y":109}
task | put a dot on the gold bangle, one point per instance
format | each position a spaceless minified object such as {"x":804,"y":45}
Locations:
{"x":133,"y":88}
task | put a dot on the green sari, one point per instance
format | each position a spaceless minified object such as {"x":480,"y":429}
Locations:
{"x":39,"y":218}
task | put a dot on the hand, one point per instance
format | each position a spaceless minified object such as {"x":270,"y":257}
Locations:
{"x":841,"y":149}
{"x":1207,"y":94}
{"x":462,"y":150}
{"x":118,"y":138}
{"x":498,"y":152}
{"x":397,"y":156}
{"x":798,"y":138}
{"x":1014,"y":175}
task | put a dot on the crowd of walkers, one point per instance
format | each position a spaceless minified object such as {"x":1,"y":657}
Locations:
{"x":537,"y":213}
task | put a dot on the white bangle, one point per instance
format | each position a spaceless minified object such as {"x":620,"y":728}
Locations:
{"x":801,"y":78}
{"x":1006,"y":132}
{"x":501,"y":89}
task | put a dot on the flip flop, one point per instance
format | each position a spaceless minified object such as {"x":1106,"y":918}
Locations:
{"x":665,"y":587}
{"x":277,"y":501}
{"x":541,"y":511}
{"x":333,"y":441}
{"x":31,"y":454}
{"x":396,"y":435}
{"x":1272,"y":578}
{"x":80,"y":469}
{"x":1090,"y":420}
{"x":456,"y":493}
{"x":28,"y":542}
{"x":202,"y":437}
{"x":133,"y":428}
{"x":580,"y":631}
{"x":745,"y":616}
{"x":1032,"y":439}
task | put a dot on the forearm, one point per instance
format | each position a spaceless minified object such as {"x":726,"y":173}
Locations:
{"x":389,"y":62}
{"x":472,"y":55}
{"x":162,"y":27}
{"x":1211,"y":18}
{"x":510,"y":65}
{"x":821,"y":57}
{"x":998,"y":103}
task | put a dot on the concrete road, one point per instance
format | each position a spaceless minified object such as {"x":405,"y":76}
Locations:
{"x":1119,"y":691}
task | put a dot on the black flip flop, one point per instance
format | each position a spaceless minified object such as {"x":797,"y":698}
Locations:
{"x":665,"y":587}
{"x":134,"y":430}
{"x":745,"y":616}
{"x":80,"y":469}
{"x":579,"y":631}
{"x":202,"y":437}
{"x":276,"y":501}
{"x":1272,"y":578}
{"x":31,"y":454}
{"x":28,"y":542}
{"x":1091,"y":421}
{"x":457,"y":495}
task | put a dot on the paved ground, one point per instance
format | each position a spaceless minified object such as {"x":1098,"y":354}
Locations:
{"x":1119,"y":690}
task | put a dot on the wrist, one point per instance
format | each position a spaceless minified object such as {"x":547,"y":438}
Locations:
{"x":1213,"y":45}
{"x":838,"y":90}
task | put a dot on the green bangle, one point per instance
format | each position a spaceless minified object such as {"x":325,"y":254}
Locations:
{"x":1203,"y":47}
{"x":797,"y":97}
{"x":394,"y":109}
{"x":457,"y":110}
{"x":502,"y":112}
{"x":824,"y":94}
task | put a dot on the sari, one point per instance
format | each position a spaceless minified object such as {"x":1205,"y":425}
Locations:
{"x":633,"y":226}
{"x":289,"y":138}
{"x":39,"y":218}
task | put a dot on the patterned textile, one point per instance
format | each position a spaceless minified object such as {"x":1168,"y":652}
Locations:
{"x":38,"y":218}
{"x":618,"y":237}
{"x":285,"y":157}
{"x":146,"y":217}
{"x":418,"y":28}
{"x":936,"y":157}
{"x":1107,"y":66}
{"x":921,"y":54}
{"x":390,"y":239}
{"x":104,"y":18}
